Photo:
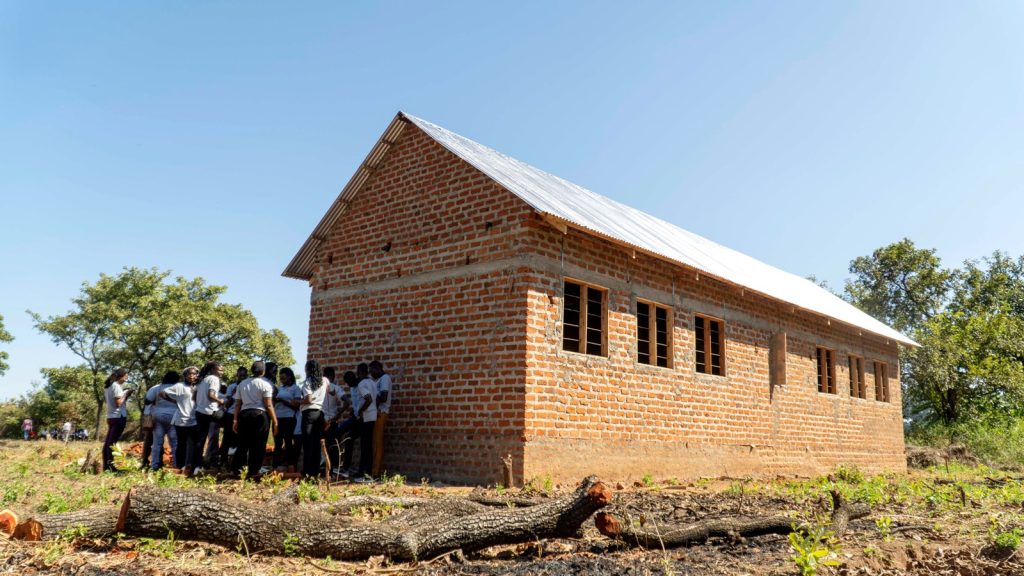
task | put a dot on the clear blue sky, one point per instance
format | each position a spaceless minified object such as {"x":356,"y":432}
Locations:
{"x":209,"y":138}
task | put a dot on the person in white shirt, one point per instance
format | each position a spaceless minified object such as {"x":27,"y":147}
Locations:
{"x":349,"y":427}
{"x":117,"y":414}
{"x":66,"y":430}
{"x":208,"y":410}
{"x":163,"y":410}
{"x":254,"y":409}
{"x":286,"y":403}
{"x":384,"y":396}
{"x":187,"y":455}
{"x":367,"y":413}
{"x":313,"y":392}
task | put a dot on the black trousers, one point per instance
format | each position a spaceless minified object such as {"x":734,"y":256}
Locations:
{"x":366,"y":447}
{"x":229,"y":441}
{"x":204,"y":421}
{"x":312,"y":432}
{"x":188,"y":454}
{"x":115,"y":427}
{"x":147,"y":447}
{"x":285,"y":450}
{"x":332,"y":437}
{"x":348,"y":431}
{"x":253,"y":427}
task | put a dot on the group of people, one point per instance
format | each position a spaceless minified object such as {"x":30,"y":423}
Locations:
{"x":209,"y":423}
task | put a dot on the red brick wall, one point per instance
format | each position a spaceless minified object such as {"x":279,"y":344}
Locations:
{"x":440,"y":308}
{"x":456,"y":285}
{"x":636,"y":419}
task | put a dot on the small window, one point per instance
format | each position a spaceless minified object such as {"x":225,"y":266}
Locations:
{"x":653,"y":334}
{"x":709,"y":336}
{"x":583,"y":319}
{"x":857,"y":387}
{"x":826,"y":370}
{"x":881,"y":382}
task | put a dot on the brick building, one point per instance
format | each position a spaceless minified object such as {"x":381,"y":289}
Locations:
{"x":521,"y":314}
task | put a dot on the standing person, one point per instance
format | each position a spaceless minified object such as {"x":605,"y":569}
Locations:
{"x":26,"y":428}
{"x":313,"y":390}
{"x":163,"y":420}
{"x":147,"y":425}
{"x":334,"y":404}
{"x":229,"y":444}
{"x":117,"y":414}
{"x":286,"y":401}
{"x":185,"y":425}
{"x":253,"y":405}
{"x":349,"y":427}
{"x":66,"y":430}
{"x":384,"y":395}
{"x":208,"y":411}
{"x":367,"y":391}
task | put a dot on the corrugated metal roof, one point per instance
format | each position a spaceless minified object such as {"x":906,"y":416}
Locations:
{"x":580,"y":208}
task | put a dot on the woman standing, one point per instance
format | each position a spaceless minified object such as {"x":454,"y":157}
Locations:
{"x":208,"y":410}
{"x":183,"y":395}
{"x":117,"y":414}
{"x":285,"y":403}
{"x":163,"y":420}
{"x":313,"y":390}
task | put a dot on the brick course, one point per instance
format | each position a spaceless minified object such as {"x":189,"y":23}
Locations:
{"x":457,"y":286}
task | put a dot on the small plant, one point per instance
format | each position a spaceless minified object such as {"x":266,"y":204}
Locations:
{"x":499,"y":489}
{"x":647,"y":479}
{"x":549,"y":483}
{"x":163,"y":548}
{"x":395,"y":480}
{"x":291,"y":544}
{"x":850,"y":474}
{"x":1009,"y":539}
{"x":884,"y":525}
{"x":72,"y":533}
{"x":309,"y":491}
{"x":54,"y":503}
{"x":814,"y":548}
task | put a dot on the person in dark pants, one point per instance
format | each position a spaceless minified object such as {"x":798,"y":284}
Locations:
{"x":348,"y":429}
{"x":367,"y":391}
{"x":228,"y":402}
{"x":254,"y":407}
{"x":117,"y":414}
{"x":188,"y":455}
{"x":313,"y":391}
{"x":286,"y":402}
{"x":147,"y":431}
{"x":335,"y":405}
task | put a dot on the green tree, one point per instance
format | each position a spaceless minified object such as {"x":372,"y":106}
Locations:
{"x":149,"y":323}
{"x":899,"y":284}
{"x":5,"y":336}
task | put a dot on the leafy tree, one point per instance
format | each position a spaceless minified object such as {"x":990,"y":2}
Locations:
{"x":5,"y":336}
{"x":145,"y":321}
{"x":899,"y":284}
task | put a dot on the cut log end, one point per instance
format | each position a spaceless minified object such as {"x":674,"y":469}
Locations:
{"x":29,"y":530}
{"x":607,"y":525}
{"x":8,"y":522}
{"x":122,"y":515}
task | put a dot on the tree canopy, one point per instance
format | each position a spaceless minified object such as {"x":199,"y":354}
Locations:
{"x":146,"y":321}
{"x":969,"y":322}
{"x":5,"y":336}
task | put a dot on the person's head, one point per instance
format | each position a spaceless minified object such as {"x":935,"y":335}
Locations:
{"x":191,"y":375}
{"x":363,"y":370}
{"x":287,"y":376}
{"x":171,"y":377}
{"x":314,"y":375}
{"x":241,"y":374}
{"x":271,"y":372}
{"x":119,"y":375}
{"x":349,"y":377}
{"x":211,"y":368}
{"x":376,"y":369}
{"x":329,"y":373}
{"x":259,"y":368}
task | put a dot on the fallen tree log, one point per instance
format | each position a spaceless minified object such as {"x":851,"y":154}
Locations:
{"x":91,"y":522}
{"x":669,"y":535}
{"x":267,"y":527}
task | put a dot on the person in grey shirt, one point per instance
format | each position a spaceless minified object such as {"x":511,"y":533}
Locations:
{"x":183,"y":395}
{"x":313,"y":392}
{"x":117,"y":414}
{"x":254,"y":408}
{"x":163,"y":420}
{"x":207,"y":408}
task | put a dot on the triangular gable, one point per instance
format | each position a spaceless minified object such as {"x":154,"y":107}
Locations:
{"x":574,"y":206}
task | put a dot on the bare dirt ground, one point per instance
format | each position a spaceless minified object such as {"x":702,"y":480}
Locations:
{"x":955,"y":519}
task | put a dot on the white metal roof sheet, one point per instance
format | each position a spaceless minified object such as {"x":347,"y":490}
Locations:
{"x":588,"y":210}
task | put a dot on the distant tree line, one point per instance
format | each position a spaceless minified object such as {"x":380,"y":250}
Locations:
{"x":147,"y":322}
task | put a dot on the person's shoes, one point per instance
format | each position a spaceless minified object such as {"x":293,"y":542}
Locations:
{"x":364,"y":479}
{"x":198,"y":471}
{"x":264,"y":470}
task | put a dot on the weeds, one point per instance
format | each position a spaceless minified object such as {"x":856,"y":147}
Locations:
{"x":815,"y":547}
